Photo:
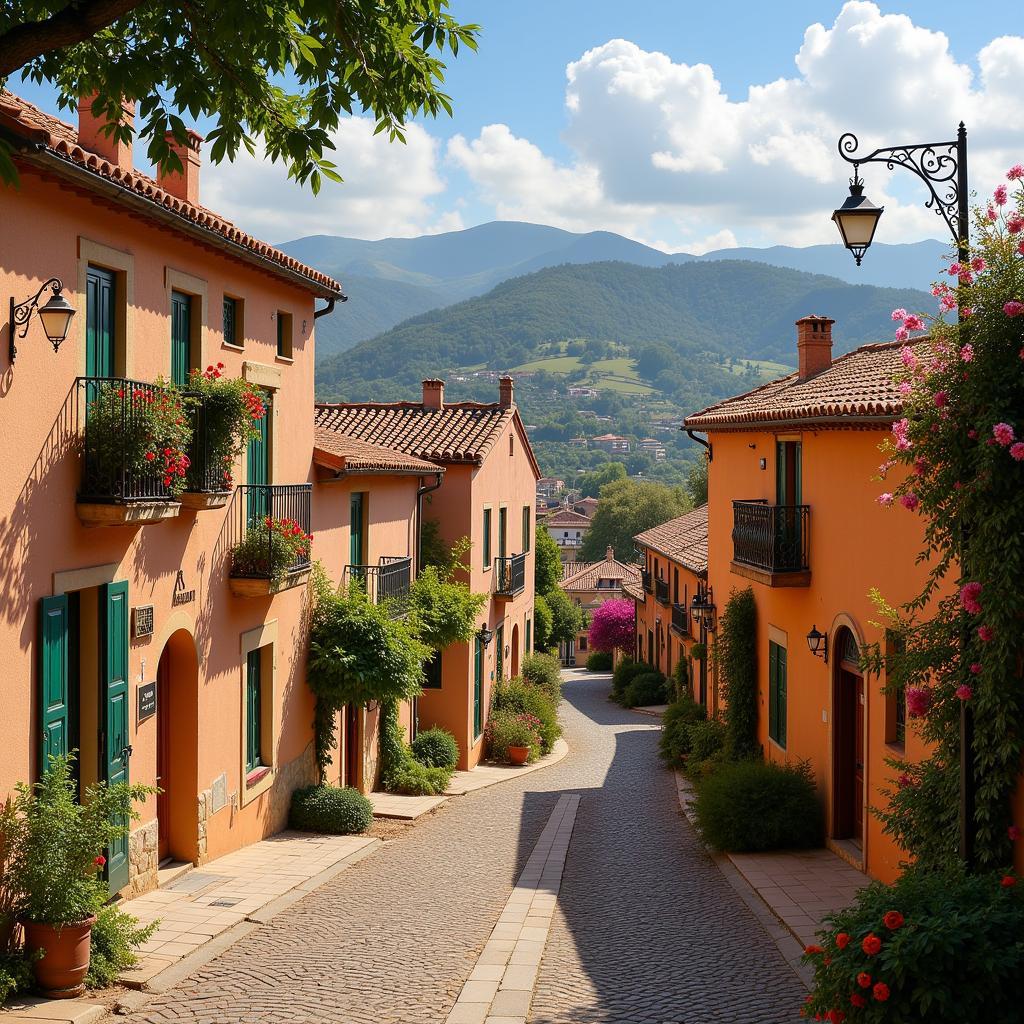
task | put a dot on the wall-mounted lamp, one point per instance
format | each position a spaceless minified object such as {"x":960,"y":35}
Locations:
{"x":817,"y":643}
{"x":702,"y":608}
{"x":55,"y":316}
{"x":485,"y":635}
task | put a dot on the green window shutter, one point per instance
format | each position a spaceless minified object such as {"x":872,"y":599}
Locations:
{"x":777,"y":693}
{"x":783,"y":686}
{"x":487,"y":538}
{"x":780,"y":472}
{"x":499,"y":637}
{"x":526,"y":528}
{"x":99,"y":322}
{"x":257,"y":466}
{"x":116,"y":718}
{"x":181,"y":333}
{"x":798,"y":471}
{"x":478,"y":687}
{"x":529,"y":636}
{"x":502,"y":532}
{"x":54,"y":675}
{"x":253,"y":710}
{"x":357,"y":528}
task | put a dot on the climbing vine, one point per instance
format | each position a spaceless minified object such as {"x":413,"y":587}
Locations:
{"x":736,"y":657}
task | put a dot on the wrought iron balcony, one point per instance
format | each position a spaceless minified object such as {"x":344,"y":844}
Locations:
{"x":270,"y":539}
{"x":772,"y":538}
{"x":645,"y":579}
{"x":681,"y":619}
{"x":661,"y":591}
{"x":510,"y":576}
{"x":387,"y":582}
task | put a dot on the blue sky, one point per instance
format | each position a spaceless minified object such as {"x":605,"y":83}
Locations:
{"x":687,"y":126}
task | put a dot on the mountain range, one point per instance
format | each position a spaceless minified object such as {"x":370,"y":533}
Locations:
{"x":392,"y":279}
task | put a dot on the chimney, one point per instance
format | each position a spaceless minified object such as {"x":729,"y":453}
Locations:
{"x":433,"y":394}
{"x":184,"y":185}
{"x":92,"y":137}
{"x":610,"y":554}
{"x":813,"y":345}
{"x":506,"y":392}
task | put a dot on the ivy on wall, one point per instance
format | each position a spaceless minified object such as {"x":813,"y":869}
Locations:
{"x":736,"y":658}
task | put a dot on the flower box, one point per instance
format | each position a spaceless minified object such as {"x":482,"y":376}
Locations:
{"x":136,"y":513}
{"x":245,"y":586}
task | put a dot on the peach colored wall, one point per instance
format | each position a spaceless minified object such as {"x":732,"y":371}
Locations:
{"x":41,"y":235}
{"x":854,"y":545}
{"x":458,"y":505}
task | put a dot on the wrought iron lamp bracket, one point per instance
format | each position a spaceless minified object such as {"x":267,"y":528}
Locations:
{"x":21,"y":313}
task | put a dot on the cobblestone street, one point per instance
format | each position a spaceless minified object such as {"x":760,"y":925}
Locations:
{"x":646,"y":929}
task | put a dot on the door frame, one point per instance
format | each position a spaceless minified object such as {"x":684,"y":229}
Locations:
{"x":847,"y":714}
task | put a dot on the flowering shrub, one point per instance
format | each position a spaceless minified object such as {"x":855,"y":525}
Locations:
{"x":271,"y":549}
{"x":229,"y":412}
{"x":959,"y":449}
{"x":522,"y":698}
{"x":613,"y":626}
{"x":508,"y":729}
{"x":934,"y":946}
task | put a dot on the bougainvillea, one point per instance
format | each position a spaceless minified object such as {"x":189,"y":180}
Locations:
{"x":613,"y":626}
{"x":963,"y":387}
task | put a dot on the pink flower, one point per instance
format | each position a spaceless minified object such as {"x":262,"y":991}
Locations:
{"x":955,"y":269}
{"x":1017,"y":451}
{"x":1000,"y":195}
{"x":941,"y":399}
{"x":901,"y":334}
{"x":977,"y":264}
{"x":919,"y":700}
{"x":899,"y":314}
{"x":972,"y":434}
{"x":986,"y":633}
{"x":1013,"y":308}
{"x":1003,"y":433}
{"x":967,"y":311}
{"x":964,"y":692}
{"x":905,"y":389}
{"x":904,"y":780}
{"x":1014,"y":223}
{"x":1015,"y":173}
{"x":885,"y":500}
{"x":1020,"y":248}
{"x":991,"y":214}
{"x":976,"y":668}
{"x":967,"y":353}
{"x":920,"y":466}
{"x":1013,"y":832}
{"x":907,"y":356}
{"x":969,"y":594}
{"x":913,"y":323}
{"x":910,"y":501}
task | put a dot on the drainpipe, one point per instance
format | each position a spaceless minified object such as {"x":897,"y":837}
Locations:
{"x":329,"y":308}
{"x":420,"y":491}
{"x":702,"y":441}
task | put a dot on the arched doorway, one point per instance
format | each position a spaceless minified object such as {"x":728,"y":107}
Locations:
{"x":847,"y":738}
{"x":177,"y":748}
{"x":515,"y":650}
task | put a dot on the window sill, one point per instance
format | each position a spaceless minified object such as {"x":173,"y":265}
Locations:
{"x":777,"y":745}
{"x":232,"y":347}
{"x":257,"y":775}
{"x":287,"y":360}
{"x":898,"y":749}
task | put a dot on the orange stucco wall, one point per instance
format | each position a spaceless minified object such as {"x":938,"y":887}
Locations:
{"x":46,"y":231}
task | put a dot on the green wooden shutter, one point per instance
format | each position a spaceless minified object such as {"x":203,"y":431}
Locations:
{"x":780,"y":472}
{"x":487,"y":538}
{"x":478,"y":687}
{"x":116,"y":719}
{"x":527,"y":538}
{"x":782,"y":699}
{"x":257,"y":466}
{"x":777,"y":693}
{"x":529,"y":636}
{"x":253,"y":710}
{"x":502,"y":532}
{"x":499,"y":637}
{"x":99,"y":322}
{"x":181,"y":336}
{"x":357,"y":532}
{"x":54,"y":696}
{"x":798,"y":472}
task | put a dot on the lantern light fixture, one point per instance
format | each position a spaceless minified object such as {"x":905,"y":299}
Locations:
{"x":55,"y":315}
{"x":817,"y":643}
{"x":485,"y":635}
{"x":857,"y":219}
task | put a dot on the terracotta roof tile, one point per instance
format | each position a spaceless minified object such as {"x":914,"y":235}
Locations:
{"x":586,"y":577}
{"x":571,"y":568}
{"x":858,"y":385}
{"x":61,"y":142}
{"x":566,"y":517}
{"x":349,"y":454}
{"x":684,"y":539}
{"x":633,"y":590}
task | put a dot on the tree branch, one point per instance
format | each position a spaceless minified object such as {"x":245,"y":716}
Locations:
{"x":80,"y":20}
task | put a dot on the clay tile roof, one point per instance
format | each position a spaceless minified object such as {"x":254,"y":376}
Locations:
{"x":633,"y":590}
{"x":350,"y":455}
{"x":684,"y":539}
{"x":60,"y":142}
{"x":461,"y":432}
{"x":587,"y":576}
{"x":566,"y":517}
{"x":571,"y":568}
{"x":858,"y":385}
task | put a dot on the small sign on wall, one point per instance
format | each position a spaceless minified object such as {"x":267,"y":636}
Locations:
{"x":145,"y":700}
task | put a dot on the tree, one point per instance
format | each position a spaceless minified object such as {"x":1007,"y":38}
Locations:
{"x":543,"y":622}
{"x":629,"y":507}
{"x":566,"y":617}
{"x":613,"y":626}
{"x":284,"y":72}
{"x":697,"y":482}
{"x":736,"y":658}
{"x":547,"y":562}
{"x":592,"y":482}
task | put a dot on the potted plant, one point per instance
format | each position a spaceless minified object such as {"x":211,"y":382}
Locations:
{"x":55,"y":869}
{"x":699,"y":652}
{"x":514,"y":738}
{"x":272,"y":548}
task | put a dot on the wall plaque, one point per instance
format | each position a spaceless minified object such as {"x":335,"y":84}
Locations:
{"x":145,"y":700}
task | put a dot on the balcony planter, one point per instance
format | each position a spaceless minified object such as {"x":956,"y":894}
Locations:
{"x":136,"y":513}
{"x":254,"y":586}
{"x":61,"y":968}
{"x":200,"y":501}
{"x":273,"y":553}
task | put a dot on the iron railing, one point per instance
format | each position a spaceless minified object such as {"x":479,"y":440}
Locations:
{"x":264,"y":541}
{"x":121,"y":462}
{"x":207,"y":473}
{"x":510,"y":575}
{"x":771,"y":537}
{"x":389,"y":581}
{"x":681,"y":619}
{"x":661,"y":591}
{"x":645,"y":579}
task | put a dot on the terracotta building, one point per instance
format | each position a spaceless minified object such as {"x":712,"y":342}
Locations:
{"x":487,"y":494}
{"x":568,"y":529}
{"x":127,"y":630}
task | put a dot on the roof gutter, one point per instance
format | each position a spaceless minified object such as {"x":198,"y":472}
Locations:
{"x":700,"y":440}
{"x":807,"y":421}
{"x":329,"y":308}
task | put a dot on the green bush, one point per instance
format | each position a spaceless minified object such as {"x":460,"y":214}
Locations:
{"x":644,"y":691}
{"x":675,"y":732}
{"x":544,"y":671}
{"x":707,"y":738}
{"x":757,"y":805}
{"x":681,"y":682}
{"x":511,"y":729}
{"x":15,"y":975}
{"x":330,"y":809}
{"x":736,"y":657}
{"x":115,"y":938}
{"x":599,"y":661}
{"x":415,"y":779}
{"x":436,"y":748}
{"x":625,"y":672}
{"x":950,"y":951}
{"x":525,"y":699}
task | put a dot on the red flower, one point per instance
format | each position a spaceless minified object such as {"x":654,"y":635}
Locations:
{"x":842,"y":940}
{"x":864,"y":979}
{"x":835,"y":1016}
{"x":812,"y":950}
{"x":150,"y":456}
{"x":1007,"y":881}
{"x":100,"y":861}
{"x":872,"y":944}
{"x":858,"y":1000}
{"x":893,"y":920}
{"x":1013,"y":832}
{"x":881,"y":991}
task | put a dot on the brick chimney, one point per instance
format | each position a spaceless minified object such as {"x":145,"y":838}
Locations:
{"x":813,"y":345}
{"x":92,"y":137}
{"x":506,"y":392}
{"x":610,"y":554}
{"x":186,"y":184}
{"x":433,"y":394}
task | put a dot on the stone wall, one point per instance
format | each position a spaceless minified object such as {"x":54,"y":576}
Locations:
{"x":143,"y":860}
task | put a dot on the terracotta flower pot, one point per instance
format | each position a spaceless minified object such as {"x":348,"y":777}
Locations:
{"x":60,"y":972}
{"x":518,"y":755}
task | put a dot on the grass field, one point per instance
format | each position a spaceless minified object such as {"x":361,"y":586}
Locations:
{"x":765,"y":368}
{"x":553,"y":364}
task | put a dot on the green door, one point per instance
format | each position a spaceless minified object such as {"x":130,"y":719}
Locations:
{"x":54,"y":676}
{"x":499,"y":637}
{"x":114,"y":709}
{"x":257,"y":465}
{"x":99,"y":322}
{"x":357,"y":529}
{"x":253,"y":711}
{"x":478,"y":687}
{"x":181,"y":334}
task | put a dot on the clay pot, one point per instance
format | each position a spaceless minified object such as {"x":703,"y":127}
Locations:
{"x":60,"y":972}
{"x":518,"y":755}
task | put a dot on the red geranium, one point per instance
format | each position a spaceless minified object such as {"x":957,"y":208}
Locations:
{"x":100,"y":861}
{"x":1007,"y":881}
{"x":881,"y":991}
{"x":872,"y":944}
{"x":893,"y":920}
{"x":858,"y":1000}
{"x":812,"y":950}
{"x":864,"y":979}
{"x":842,"y":940}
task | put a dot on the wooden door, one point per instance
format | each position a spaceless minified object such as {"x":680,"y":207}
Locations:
{"x":114,"y":710}
{"x":163,"y":755}
{"x":99,"y":322}
{"x":181,"y":335}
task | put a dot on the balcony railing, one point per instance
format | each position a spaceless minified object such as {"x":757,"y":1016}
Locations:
{"x":645,"y":579}
{"x":661,"y":591}
{"x":510,"y":576}
{"x":387,"y":582}
{"x":771,"y":537}
{"x":681,"y":619}
{"x":264,"y":540}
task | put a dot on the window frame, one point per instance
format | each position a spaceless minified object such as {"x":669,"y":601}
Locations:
{"x":237,"y":305}
{"x":778,"y":694}
{"x":486,"y":545}
{"x":285,"y":335}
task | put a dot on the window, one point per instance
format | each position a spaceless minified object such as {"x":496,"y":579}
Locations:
{"x":583,"y":642}
{"x":253,"y":710}
{"x":181,"y":337}
{"x":788,"y":473}
{"x":357,"y":529}
{"x":511,"y":444}
{"x":487,"y":538}
{"x":432,"y":672}
{"x":777,"y":693}
{"x":529,"y":636}
{"x":232,"y":321}
{"x":526,"y":528}
{"x":284,"y":334}
{"x":100,"y":322}
{"x":502,"y":532}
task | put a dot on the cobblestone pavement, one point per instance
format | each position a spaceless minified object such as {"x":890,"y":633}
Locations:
{"x":647,"y":930}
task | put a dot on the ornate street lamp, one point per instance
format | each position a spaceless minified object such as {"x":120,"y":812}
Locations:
{"x":857,"y":219}
{"x":55,"y":316}
{"x":702,"y":608}
{"x":485,"y":635}
{"x":817,"y":643}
